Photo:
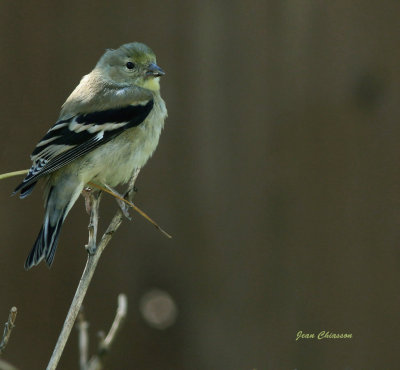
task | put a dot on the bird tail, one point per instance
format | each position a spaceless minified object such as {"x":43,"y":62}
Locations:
{"x":24,"y":189}
{"x":59,"y":201}
{"x":46,"y":243}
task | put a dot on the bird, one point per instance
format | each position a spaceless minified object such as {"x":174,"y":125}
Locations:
{"x":107,"y":129}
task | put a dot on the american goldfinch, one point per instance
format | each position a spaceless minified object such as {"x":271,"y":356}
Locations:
{"x":108,"y":128}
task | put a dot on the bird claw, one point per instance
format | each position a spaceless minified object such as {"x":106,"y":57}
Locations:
{"x":86,"y":193}
{"x":122,"y":205}
{"x":124,"y":209}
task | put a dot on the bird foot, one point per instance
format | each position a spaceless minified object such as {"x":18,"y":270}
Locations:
{"x":87,"y":193}
{"x":122,"y":205}
{"x":124,"y":209}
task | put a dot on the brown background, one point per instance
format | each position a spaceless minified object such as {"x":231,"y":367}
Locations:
{"x":278,"y":175}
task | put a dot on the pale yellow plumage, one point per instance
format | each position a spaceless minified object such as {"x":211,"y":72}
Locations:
{"x":108,"y":127}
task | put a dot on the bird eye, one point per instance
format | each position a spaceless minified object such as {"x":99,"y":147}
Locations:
{"x":130,"y":65}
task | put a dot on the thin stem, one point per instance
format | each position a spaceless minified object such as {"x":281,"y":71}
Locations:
{"x":96,"y":362}
{"x":6,"y":366}
{"x":137,"y":209}
{"x":118,"y":321}
{"x":8,"y":327}
{"x":89,"y":269}
{"x":83,"y":326}
{"x":80,"y":293}
{"x":95,"y":197}
{"x":12,"y":174}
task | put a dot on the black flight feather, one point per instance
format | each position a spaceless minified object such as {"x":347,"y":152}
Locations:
{"x":89,"y":136}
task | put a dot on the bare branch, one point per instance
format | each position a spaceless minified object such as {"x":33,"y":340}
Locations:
{"x":96,"y":362}
{"x":95,"y":197}
{"x":6,"y":366}
{"x":91,"y":264}
{"x":12,"y":174}
{"x":117,"y":324}
{"x":8,"y":327}
{"x":113,"y":193}
{"x":80,"y":293}
{"x":137,"y":209}
{"x":83,"y":326}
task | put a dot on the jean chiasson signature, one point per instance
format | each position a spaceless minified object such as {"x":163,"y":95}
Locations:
{"x":323,"y":335}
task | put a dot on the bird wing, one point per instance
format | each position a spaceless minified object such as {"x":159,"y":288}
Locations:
{"x":73,"y":137}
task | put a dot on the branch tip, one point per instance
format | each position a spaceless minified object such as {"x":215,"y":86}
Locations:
{"x":8,"y":327}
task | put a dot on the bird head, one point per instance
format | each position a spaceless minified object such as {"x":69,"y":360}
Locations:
{"x":131,"y":64}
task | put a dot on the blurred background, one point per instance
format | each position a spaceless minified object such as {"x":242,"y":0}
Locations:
{"x":277,"y":174}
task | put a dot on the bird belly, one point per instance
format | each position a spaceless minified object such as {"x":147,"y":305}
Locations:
{"x":114,"y":163}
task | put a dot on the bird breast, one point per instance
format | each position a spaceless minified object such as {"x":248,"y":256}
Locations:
{"x":114,"y":163}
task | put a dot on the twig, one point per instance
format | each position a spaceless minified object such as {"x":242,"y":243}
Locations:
{"x":94,"y":197}
{"x":96,"y":362}
{"x":12,"y":174}
{"x":117,"y":323}
{"x":82,"y":326}
{"x":137,"y":209}
{"x":6,"y":366}
{"x":90,"y":267}
{"x":80,"y":293}
{"x":8,"y":327}
{"x":93,"y":259}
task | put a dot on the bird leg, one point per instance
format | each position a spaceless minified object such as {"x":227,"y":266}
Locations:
{"x":122,"y":205}
{"x":108,"y":189}
{"x":131,"y":185}
{"x":92,"y":201}
{"x":86,"y":193}
{"x":128,"y":194}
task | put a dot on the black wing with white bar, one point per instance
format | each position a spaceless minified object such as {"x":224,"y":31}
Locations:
{"x":71,"y":138}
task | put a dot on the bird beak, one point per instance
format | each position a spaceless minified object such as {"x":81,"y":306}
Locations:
{"x":154,"y":70}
